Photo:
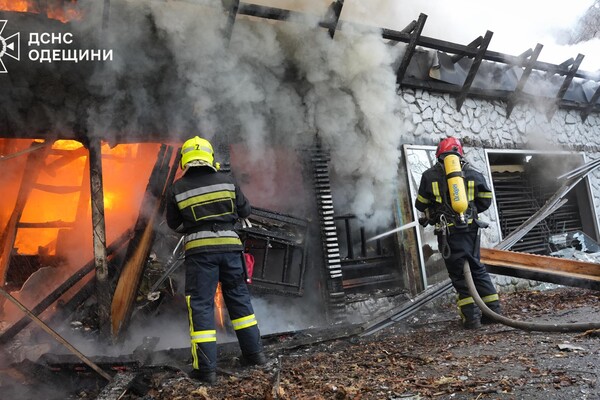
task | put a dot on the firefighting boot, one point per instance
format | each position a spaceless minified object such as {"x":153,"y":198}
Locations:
{"x":495,"y":307}
{"x":471,"y":316}
{"x":254,"y":359}
{"x":207,"y":378}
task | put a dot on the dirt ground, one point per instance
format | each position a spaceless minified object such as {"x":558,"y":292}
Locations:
{"x":427,"y":356}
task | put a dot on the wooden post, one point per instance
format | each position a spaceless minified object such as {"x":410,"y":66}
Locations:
{"x":99,"y":235}
{"x":56,"y":336}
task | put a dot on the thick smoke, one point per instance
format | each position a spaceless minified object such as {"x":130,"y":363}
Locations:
{"x":272,"y":84}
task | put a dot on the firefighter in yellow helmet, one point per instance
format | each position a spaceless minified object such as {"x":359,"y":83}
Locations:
{"x":204,"y":204}
{"x":452,"y":194}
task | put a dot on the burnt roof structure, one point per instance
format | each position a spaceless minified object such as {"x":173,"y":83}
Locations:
{"x":58,"y":102}
{"x":471,"y":70}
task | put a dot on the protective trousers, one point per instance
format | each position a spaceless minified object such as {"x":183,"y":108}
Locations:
{"x":202,"y":274}
{"x":464,"y":246}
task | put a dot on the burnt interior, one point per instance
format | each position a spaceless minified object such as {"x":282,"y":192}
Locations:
{"x":524,"y":182}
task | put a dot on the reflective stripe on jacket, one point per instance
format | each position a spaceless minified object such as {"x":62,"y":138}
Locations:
{"x":207,"y":203}
{"x":433,"y":192}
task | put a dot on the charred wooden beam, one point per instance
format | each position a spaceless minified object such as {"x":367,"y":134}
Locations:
{"x":232,"y":14}
{"x":523,"y":80}
{"x":34,"y":163}
{"x":424,"y":41}
{"x":473,"y":70}
{"x":118,"y":387}
{"x":455,"y":48}
{"x":590,"y":106}
{"x":410,"y":27}
{"x":278,"y":14}
{"x":33,"y":147}
{"x":67,"y":157}
{"x":99,"y":233}
{"x":84,"y":192}
{"x":48,"y":224}
{"x":332,"y":16}
{"x":567,"y":82}
{"x":473,"y":45}
{"x":410,"y":48}
{"x":140,"y":246}
{"x":56,"y":336}
{"x":170,"y":179}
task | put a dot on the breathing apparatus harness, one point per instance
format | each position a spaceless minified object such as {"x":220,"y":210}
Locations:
{"x":458,"y":209}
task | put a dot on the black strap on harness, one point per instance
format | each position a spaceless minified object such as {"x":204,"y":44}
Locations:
{"x":443,"y":231}
{"x":216,"y":226}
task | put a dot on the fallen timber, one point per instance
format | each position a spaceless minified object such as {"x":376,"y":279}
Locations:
{"x":140,"y":246}
{"x":542,"y":268}
{"x":56,"y":336}
{"x":19,"y":325}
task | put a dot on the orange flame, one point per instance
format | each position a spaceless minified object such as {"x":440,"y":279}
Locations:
{"x":59,"y":201}
{"x":15,"y":5}
{"x":219,"y":306}
{"x":62,"y":10}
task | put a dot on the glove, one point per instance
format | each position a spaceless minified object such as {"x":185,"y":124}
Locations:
{"x":427,"y":218}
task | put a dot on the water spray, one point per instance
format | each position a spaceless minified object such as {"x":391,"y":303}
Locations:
{"x":400,"y":228}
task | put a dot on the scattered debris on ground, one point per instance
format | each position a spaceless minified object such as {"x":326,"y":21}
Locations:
{"x":428,"y":356}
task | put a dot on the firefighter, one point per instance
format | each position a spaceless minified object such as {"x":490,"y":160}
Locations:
{"x":451,"y":195}
{"x":204,"y":204}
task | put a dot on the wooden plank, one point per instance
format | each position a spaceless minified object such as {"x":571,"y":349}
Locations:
{"x":410,"y":48}
{"x":56,"y":336}
{"x":141,"y":245}
{"x":537,"y":262}
{"x":118,"y":387}
{"x":129,"y":280}
{"x":512,"y":101}
{"x":473,"y":70}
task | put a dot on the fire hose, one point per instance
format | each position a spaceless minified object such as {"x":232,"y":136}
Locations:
{"x":459,"y":203}
{"x":524,"y":325}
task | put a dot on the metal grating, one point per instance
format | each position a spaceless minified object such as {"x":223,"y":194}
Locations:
{"x":329,"y":238}
{"x":518,"y":197}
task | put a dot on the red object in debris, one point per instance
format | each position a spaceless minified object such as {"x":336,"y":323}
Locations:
{"x":249,"y":259}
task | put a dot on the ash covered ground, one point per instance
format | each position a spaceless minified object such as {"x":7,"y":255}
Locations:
{"x":427,"y":356}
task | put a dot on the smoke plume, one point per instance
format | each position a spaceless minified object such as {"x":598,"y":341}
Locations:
{"x":271,"y":84}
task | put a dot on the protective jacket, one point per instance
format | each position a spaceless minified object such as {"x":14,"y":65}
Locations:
{"x":458,"y":241}
{"x":433,"y":193}
{"x":207,"y":203}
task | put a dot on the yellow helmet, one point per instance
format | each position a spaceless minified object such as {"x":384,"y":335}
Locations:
{"x":197,"y":152}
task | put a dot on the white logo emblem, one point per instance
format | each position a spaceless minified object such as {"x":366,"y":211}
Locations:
{"x":10,"y":46}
